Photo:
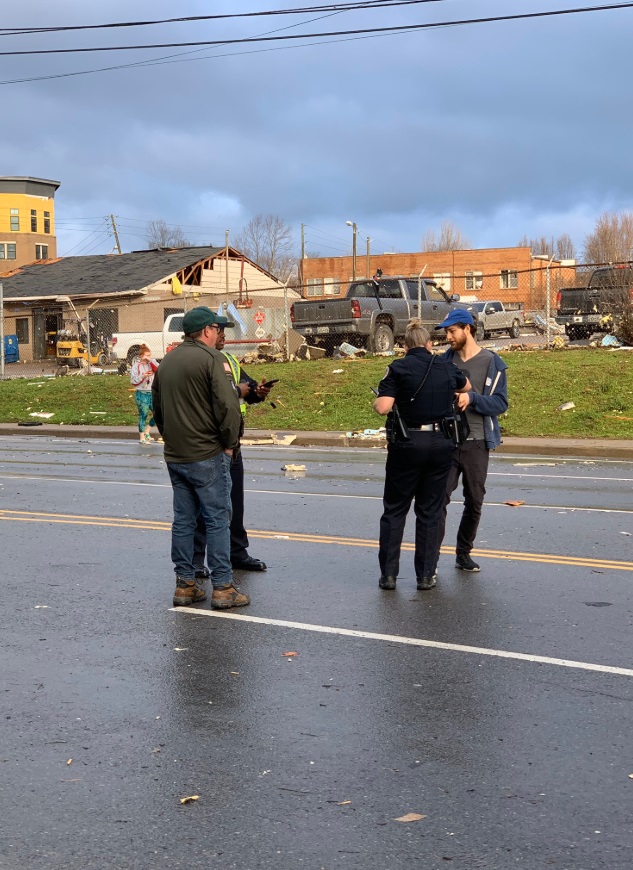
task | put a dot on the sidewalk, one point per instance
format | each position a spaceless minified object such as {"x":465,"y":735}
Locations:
{"x":597,"y":448}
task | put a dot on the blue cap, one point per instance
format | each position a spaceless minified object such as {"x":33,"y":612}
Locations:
{"x":457,"y":315}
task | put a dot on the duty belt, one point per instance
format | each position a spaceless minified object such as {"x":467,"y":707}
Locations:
{"x":426,"y":427}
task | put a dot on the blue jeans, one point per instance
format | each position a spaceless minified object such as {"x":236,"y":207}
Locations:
{"x":202,"y":488}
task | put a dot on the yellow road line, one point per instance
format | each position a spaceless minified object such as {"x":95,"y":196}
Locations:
{"x":305,"y":538}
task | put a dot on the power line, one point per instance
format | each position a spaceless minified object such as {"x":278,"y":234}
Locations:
{"x":403,"y":28}
{"x":330,"y":7}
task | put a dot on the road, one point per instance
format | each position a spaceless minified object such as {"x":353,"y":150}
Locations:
{"x":497,"y":707}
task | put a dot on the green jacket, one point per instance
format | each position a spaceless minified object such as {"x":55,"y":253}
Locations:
{"x":195,"y":405}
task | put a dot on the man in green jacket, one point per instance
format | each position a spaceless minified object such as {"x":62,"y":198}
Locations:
{"x":198,"y":415}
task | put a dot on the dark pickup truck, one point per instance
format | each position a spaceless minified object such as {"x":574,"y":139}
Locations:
{"x":373,"y":314}
{"x":581,"y":309}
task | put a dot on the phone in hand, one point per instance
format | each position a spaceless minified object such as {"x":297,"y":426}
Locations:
{"x":269,"y":384}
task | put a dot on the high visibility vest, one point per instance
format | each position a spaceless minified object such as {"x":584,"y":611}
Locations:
{"x":236,"y":372}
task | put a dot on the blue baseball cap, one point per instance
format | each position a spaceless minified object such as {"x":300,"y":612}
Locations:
{"x":457,"y":315}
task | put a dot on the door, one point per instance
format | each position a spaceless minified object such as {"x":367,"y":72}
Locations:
{"x":392,"y":300}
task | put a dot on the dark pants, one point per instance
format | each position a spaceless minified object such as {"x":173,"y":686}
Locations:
{"x":415,"y":469}
{"x":471,"y":462}
{"x":239,"y":538}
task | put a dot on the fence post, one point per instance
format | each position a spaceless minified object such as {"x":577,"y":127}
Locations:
{"x":287,"y":321}
{"x":547,"y":303}
{"x":1,"y":332}
{"x":88,"y":340}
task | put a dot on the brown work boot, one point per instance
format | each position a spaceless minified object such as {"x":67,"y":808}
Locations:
{"x":187,"y":592}
{"x":228,"y":596}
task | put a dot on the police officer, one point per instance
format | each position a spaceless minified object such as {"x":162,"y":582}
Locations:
{"x":422,"y":386}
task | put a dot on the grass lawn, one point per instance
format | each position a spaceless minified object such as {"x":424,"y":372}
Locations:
{"x":335,"y":395}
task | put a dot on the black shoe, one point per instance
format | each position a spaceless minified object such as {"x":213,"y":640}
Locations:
{"x":387,"y":582}
{"x":427,"y":582}
{"x":249,"y":564}
{"x":465,"y":563}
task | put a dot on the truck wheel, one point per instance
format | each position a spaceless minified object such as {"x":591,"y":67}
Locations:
{"x":102,"y":360}
{"x":572,"y":332}
{"x":381,"y":340}
{"x":515,"y":329}
{"x":132,"y":354}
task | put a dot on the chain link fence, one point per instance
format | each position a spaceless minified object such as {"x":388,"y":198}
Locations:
{"x":103,"y":336}
{"x":96,"y":336}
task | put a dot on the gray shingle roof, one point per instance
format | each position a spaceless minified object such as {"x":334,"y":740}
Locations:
{"x":100,"y":274}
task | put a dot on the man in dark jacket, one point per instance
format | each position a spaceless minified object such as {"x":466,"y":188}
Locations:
{"x":198,"y":415}
{"x":487,"y":398}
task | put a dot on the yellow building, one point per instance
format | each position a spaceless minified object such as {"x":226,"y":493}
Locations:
{"x":27,"y":221}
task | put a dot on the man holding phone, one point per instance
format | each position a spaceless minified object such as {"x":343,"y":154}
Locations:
{"x":249,"y":393}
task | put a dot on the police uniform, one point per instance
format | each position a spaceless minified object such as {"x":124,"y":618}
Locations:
{"x":417,"y":469}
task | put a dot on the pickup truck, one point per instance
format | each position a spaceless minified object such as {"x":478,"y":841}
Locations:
{"x":125,"y":345}
{"x":581,"y":309}
{"x":373,"y":313}
{"x":494,"y":318}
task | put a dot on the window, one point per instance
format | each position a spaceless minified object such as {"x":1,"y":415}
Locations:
{"x":15,"y":220}
{"x":22,"y":329}
{"x":434,"y":293}
{"x":7,"y":250}
{"x":443,"y":280}
{"x":331,"y":287}
{"x":474,"y":280}
{"x":47,"y":221}
{"x":33,"y":221}
{"x":314,"y":287}
{"x":41,"y":252}
{"x":509,"y":279}
{"x":389,"y":290}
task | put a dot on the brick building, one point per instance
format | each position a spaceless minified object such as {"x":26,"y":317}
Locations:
{"x":513,"y":275}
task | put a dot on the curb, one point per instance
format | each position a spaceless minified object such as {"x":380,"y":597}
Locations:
{"x":585,"y":447}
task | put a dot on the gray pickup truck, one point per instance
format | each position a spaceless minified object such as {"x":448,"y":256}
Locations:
{"x":373,"y":314}
{"x":581,"y":309}
{"x":493,"y":318}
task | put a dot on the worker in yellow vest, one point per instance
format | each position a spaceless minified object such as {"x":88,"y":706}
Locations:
{"x":250,"y":393}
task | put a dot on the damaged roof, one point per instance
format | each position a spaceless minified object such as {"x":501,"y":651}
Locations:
{"x":101,"y":274}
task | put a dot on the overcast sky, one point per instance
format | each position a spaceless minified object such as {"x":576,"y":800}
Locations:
{"x":505,"y":129}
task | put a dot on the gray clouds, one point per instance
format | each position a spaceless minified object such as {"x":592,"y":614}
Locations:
{"x":507,"y":129}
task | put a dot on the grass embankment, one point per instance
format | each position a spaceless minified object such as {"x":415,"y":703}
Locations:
{"x":310,"y":396}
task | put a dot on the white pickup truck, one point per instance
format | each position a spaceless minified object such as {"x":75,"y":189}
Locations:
{"x":125,"y":345}
{"x":493,"y":318}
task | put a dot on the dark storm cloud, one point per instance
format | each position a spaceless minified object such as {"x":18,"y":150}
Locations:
{"x":505,"y":128}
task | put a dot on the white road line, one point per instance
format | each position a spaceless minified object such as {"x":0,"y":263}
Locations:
{"x":559,"y":476}
{"x":453,"y":504}
{"x":411,"y":641}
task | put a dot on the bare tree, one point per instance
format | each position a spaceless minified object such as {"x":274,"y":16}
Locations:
{"x":561,"y":248}
{"x":159,"y":234}
{"x":267,"y":240}
{"x":450,"y":239}
{"x":612,"y":239}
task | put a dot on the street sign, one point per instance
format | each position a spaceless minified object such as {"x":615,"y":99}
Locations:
{"x":259,"y":332}
{"x":259,"y":317}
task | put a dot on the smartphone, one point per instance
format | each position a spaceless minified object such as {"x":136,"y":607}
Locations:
{"x":271,"y":383}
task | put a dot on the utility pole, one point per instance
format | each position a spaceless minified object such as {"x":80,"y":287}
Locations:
{"x":116,"y":234}
{"x":368,"y":269}
{"x":303,"y":256}
{"x":226,"y":269}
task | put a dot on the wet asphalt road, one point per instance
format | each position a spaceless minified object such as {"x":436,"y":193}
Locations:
{"x":306,"y":761}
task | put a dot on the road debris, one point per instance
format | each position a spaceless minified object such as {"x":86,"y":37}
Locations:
{"x":514,"y":503}
{"x":566,"y":406}
{"x":410,"y":817}
{"x":190,"y":799}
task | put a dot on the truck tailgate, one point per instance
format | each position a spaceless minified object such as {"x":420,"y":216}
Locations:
{"x":322,"y":312}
